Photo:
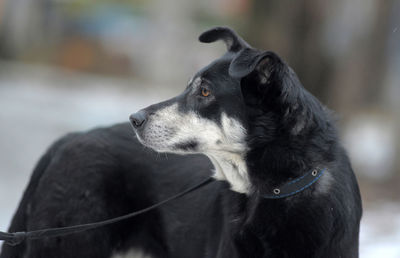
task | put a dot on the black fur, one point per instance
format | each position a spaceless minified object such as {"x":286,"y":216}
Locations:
{"x":105,"y":173}
{"x":187,"y":146}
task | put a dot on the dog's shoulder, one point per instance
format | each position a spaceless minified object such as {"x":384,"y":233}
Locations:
{"x":97,"y":138}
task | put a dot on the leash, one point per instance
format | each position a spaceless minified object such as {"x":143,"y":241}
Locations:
{"x":17,"y":238}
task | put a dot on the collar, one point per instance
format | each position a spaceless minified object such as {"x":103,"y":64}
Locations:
{"x":296,"y":185}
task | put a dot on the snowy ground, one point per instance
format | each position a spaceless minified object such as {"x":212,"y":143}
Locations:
{"x":38,"y":105}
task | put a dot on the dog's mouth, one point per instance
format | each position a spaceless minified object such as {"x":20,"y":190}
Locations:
{"x":155,"y":136}
{"x":163,"y":138}
{"x":165,"y":130}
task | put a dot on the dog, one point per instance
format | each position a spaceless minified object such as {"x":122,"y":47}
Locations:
{"x":246,"y":120}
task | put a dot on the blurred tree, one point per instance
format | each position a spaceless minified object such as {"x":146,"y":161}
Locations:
{"x":292,"y":28}
{"x":301,"y":32}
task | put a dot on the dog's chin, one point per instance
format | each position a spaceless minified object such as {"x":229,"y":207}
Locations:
{"x":164,"y":148}
{"x":152,"y":145}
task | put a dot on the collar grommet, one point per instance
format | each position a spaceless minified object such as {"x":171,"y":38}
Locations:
{"x":314,"y":172}
{"x":277,"y":191}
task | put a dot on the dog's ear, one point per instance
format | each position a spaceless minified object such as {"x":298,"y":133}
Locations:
{"x":233,"y":42}
{"x":269,"y":83}
{"x":249,"y":60}
{"x":259,"y":72}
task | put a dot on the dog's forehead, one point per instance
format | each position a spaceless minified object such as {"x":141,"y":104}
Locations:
{"x":195,"y":81}
{"x":217,"y":70}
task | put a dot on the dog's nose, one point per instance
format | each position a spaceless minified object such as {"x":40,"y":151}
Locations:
{"x":137,"y":119}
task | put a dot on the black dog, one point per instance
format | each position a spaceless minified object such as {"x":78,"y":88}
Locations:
{"x":284,"y":187}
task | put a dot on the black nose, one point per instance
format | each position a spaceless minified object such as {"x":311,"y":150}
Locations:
{"x":137,"y":119}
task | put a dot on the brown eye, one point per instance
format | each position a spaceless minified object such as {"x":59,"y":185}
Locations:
{"x":205,"y":92}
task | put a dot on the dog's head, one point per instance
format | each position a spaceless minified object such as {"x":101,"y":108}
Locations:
{"x":243,"y":96}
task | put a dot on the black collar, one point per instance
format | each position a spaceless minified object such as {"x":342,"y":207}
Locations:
{"x":296,"y":185}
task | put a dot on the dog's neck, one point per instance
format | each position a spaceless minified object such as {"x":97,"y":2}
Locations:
{"x":231,"y":167}
{"x":274,"y":163}
{"x":266,"y":166}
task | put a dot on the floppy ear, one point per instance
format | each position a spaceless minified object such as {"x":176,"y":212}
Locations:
{"x":270,"y":84}
{"x":259,"y":72}
{"x":250,"y":60}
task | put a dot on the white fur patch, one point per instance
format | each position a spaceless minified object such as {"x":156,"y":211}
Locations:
{"x":133,"y":253}
{"x":231,"y":168}
{"x":196,"y":82}
{"x":324,"y":182}
{"x":230,"y":164}
{"x":224,"y":144}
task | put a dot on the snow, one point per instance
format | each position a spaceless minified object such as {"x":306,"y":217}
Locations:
{"x":380,"y":231}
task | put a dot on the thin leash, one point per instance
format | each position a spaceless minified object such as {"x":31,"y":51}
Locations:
{"x":17,"y":238}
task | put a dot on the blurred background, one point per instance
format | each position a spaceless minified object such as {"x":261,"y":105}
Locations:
{"x":70,"y":65}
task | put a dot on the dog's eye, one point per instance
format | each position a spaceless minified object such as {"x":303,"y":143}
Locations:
{"x":205,"y":92}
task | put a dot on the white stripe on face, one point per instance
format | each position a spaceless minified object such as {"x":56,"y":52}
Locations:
{"x":168,"y":127}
